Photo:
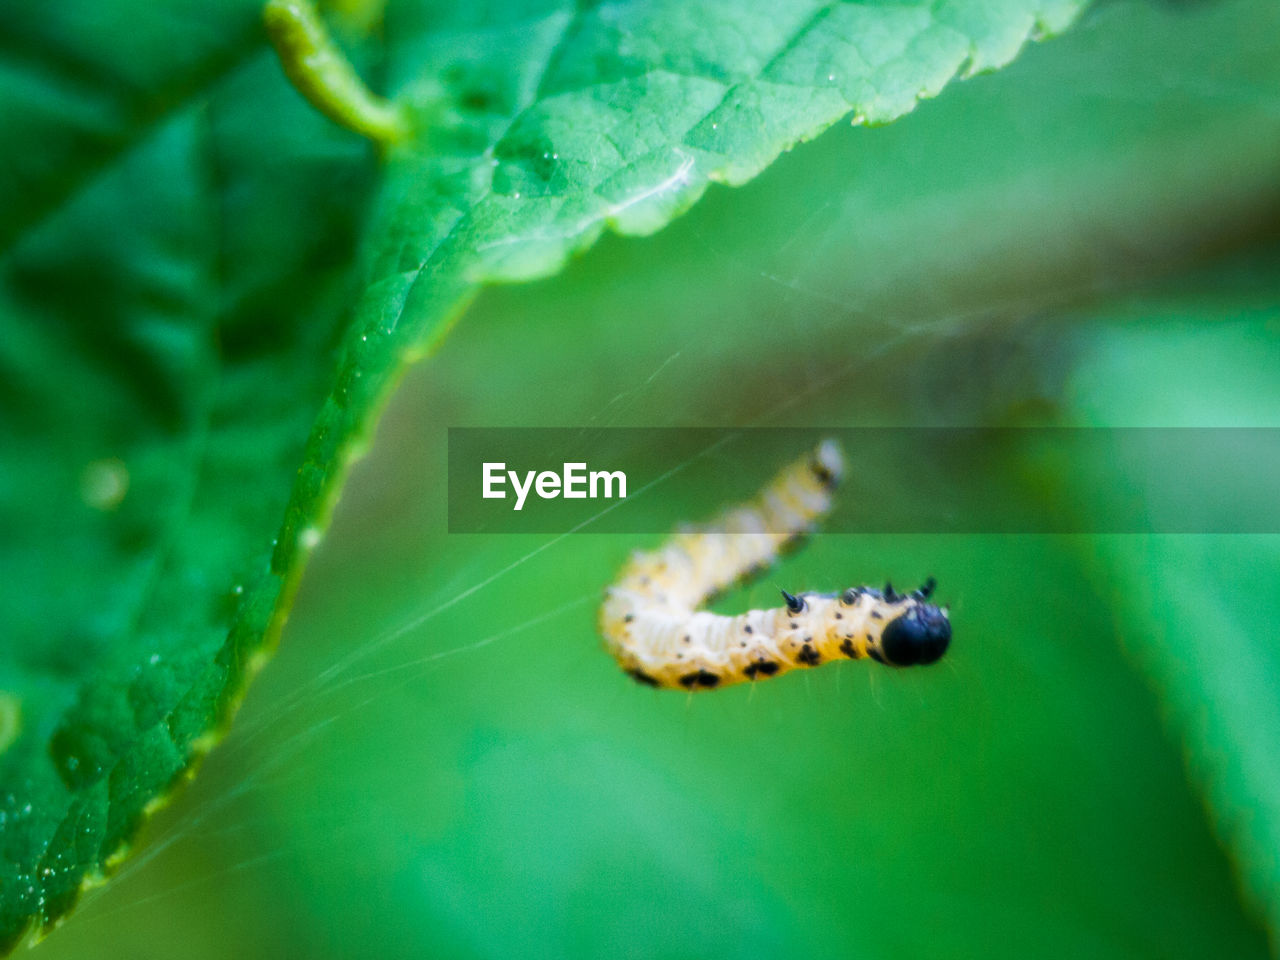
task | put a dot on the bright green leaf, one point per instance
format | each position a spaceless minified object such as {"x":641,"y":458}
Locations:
{"x":536,"y":133}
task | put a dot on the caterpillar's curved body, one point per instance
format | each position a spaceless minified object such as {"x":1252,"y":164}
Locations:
{"x":653,"y":627}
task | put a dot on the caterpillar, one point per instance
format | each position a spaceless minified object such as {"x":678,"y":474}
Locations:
{"x":653,"y":627}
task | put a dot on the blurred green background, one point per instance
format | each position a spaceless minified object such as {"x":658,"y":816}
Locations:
{"x":441,"y":761}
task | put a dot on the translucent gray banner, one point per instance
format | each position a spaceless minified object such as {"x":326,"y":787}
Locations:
{"x":896,"y":479}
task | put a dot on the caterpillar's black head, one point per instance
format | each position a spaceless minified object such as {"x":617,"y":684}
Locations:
{"x":918,"y":636}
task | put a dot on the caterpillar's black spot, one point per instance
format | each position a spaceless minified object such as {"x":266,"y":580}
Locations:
{"x":639,"y":676}
{"x":794,"y":625}
{"x":809,"y":656}
{"x":748,"y":629}
{"x":687,"y":638}
{"x":919,"y":636}
{"x":876,"y":615}
{"x":765,"y":668}
{"x":699,"y":678}
{"x":839,"y":615}
{"x":628,"y":618}
{"x":850,"y":596}
{"x":847,"y":649}
{"x":822,"y":473}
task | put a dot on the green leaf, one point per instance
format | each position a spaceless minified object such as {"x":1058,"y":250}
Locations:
{"x":162,"y":365}
{"x":536,"y":134}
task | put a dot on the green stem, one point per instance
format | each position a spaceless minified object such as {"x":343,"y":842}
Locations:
{"x":323,"y":74}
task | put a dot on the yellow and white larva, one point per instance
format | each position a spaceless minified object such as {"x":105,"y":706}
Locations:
{"x":654,"y":628}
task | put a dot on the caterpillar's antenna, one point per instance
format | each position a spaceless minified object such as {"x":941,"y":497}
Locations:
{"x":794,"y":604}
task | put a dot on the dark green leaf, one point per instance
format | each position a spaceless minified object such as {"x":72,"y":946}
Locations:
{"x":162,"y":364}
